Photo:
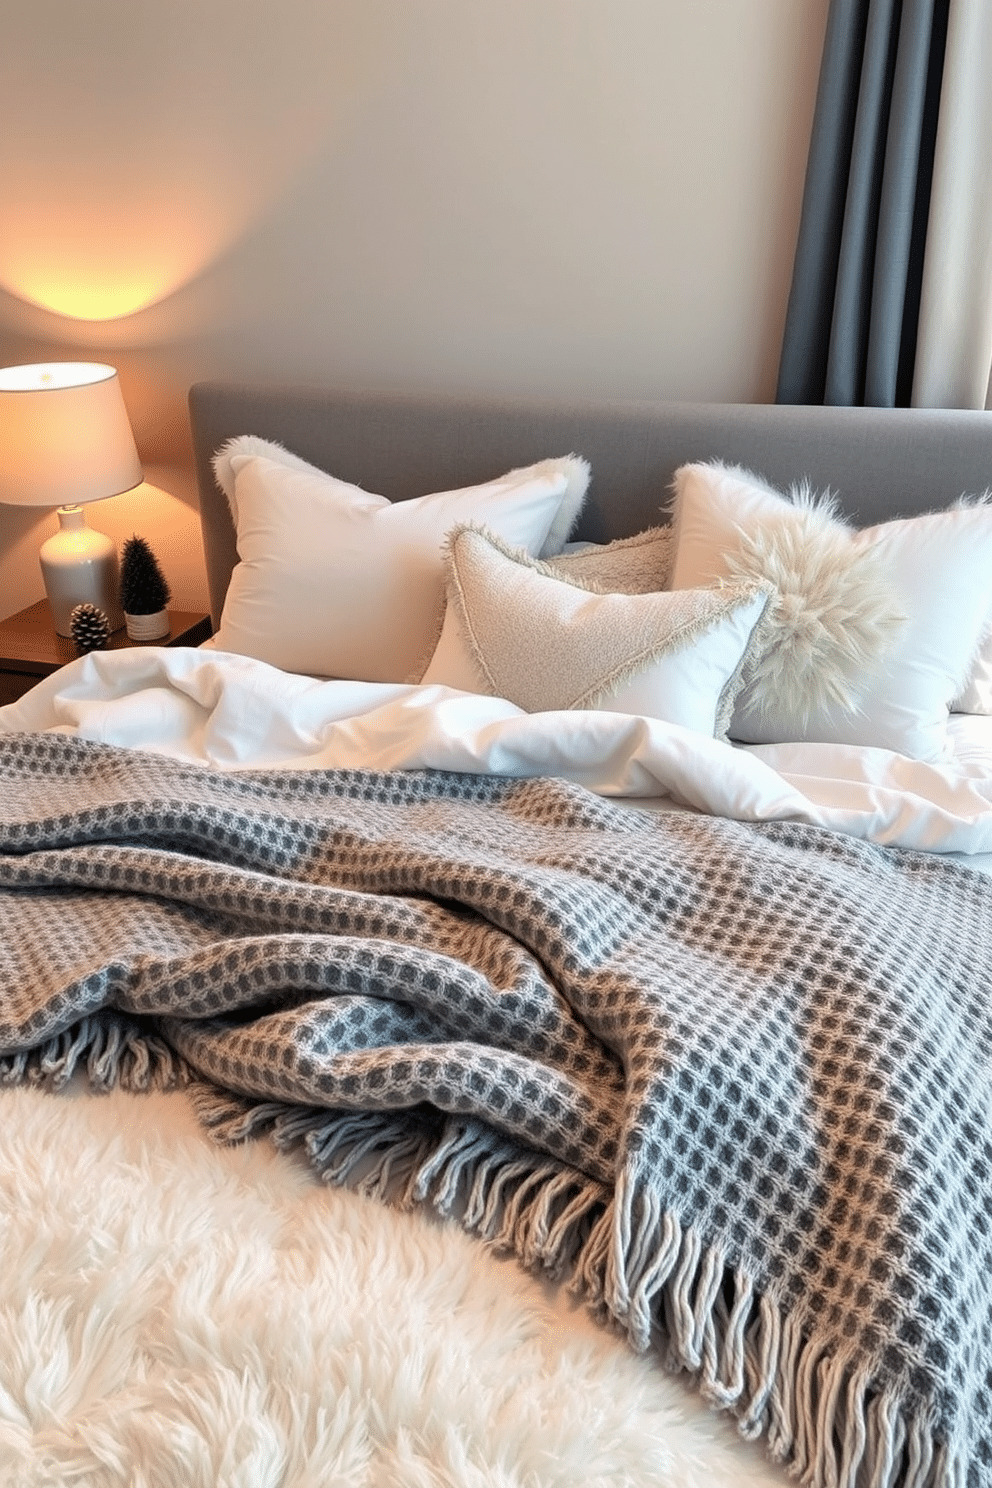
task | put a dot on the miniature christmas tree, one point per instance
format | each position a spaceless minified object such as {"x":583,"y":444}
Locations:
{"x":144,"y":590}
{"x":89,"y":628}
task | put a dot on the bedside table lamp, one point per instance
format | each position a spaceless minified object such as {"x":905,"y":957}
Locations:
{"x":65,"y":439}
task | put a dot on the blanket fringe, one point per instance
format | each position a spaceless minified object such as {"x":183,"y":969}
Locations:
{"x":637,"y":1268}
{"x":539,"y":1210}
{"x":823,"y":1416}
{"x":110,"y":1050}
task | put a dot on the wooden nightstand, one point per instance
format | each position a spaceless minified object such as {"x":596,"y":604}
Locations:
{"x":30,"y":648}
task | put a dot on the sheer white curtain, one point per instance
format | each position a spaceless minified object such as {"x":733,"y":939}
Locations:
{"x":953,"y":365}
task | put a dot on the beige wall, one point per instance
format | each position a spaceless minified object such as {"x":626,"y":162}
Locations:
{"x":557,"y":197}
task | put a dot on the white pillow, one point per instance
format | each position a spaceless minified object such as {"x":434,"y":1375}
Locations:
{"x":888,"y":617}
{"x":976,"y":695}
{"x":516,"y":629}
{"x":334,"y":581}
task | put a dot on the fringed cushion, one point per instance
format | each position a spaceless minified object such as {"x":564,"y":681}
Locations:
{"x":515,"y":628}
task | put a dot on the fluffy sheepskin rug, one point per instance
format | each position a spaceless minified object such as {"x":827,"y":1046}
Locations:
{"x":178,"y":1315}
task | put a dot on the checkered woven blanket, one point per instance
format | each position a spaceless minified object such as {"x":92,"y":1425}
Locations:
{"x":733,"y":1080}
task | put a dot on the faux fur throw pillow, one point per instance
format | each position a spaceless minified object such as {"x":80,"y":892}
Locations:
{"x":874,"y":630}
{"x":835,"y":610}
{"x":514,"y":628}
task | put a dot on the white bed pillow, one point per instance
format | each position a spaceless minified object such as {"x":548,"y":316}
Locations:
{"x":976,"y":695}
{"x":895,"y":611}
{"x":335,"y":581}
{"x":514,"y":628}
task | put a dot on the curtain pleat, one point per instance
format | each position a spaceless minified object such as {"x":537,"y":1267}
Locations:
{"x":907,"y":172}
{"x":850,"y":335}
{"x":954,"y":350}
{"x":806,"y":343}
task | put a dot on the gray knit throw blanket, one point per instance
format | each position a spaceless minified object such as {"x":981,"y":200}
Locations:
{"x":732,"y":1080}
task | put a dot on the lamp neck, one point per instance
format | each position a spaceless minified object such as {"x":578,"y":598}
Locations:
{"x":71,"y":518}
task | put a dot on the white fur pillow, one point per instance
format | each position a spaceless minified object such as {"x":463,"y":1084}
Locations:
{"x":335,"y":581}
{"x":515,"y":628}
{"x":875,"y":630}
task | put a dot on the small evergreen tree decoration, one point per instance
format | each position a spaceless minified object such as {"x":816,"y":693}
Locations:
{"x":144,"y":591}
{"x":90,"y":628}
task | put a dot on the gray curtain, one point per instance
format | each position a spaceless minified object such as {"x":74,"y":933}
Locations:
{"x":850,"y":333}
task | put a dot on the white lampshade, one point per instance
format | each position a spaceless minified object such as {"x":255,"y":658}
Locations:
{"x":65,"y":439}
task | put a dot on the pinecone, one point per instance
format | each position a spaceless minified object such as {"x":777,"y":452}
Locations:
{"x":90,"y":628}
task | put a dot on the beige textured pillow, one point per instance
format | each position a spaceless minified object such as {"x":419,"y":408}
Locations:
{"x":515,"y":628}
{"x":631,"y":565}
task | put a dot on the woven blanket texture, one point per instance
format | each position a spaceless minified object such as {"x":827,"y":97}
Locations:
{"x":732,"y":1080}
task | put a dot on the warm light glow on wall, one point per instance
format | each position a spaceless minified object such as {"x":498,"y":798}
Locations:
{"x":101,"y":254}
{"x":138,"y":144}
{"x":68,"y":294}
{"x":91,"y":279}
{"x":90,"y":302}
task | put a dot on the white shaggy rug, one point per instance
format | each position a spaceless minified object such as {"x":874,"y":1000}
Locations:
{"x":177,"y":1315}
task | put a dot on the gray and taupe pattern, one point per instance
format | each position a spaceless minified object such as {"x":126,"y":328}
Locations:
{"x":734,"y":1078}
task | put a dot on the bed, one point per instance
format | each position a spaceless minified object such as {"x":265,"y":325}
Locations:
{"x":576,"y":946}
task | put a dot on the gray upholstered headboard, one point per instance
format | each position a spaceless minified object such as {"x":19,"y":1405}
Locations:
{"x":880,"y":462}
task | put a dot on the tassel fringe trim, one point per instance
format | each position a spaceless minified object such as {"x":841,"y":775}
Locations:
{"x":111,"y":1051}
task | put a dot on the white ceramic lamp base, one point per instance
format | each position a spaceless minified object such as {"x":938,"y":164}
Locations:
{"x":79,"y":566}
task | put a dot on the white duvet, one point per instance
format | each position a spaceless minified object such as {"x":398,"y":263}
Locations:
{"x":231,"y":712}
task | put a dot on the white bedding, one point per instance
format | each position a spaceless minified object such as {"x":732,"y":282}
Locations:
{"x":232,"y":712}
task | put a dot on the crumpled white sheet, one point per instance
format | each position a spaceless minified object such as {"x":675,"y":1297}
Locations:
{"x":232,"y":712}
